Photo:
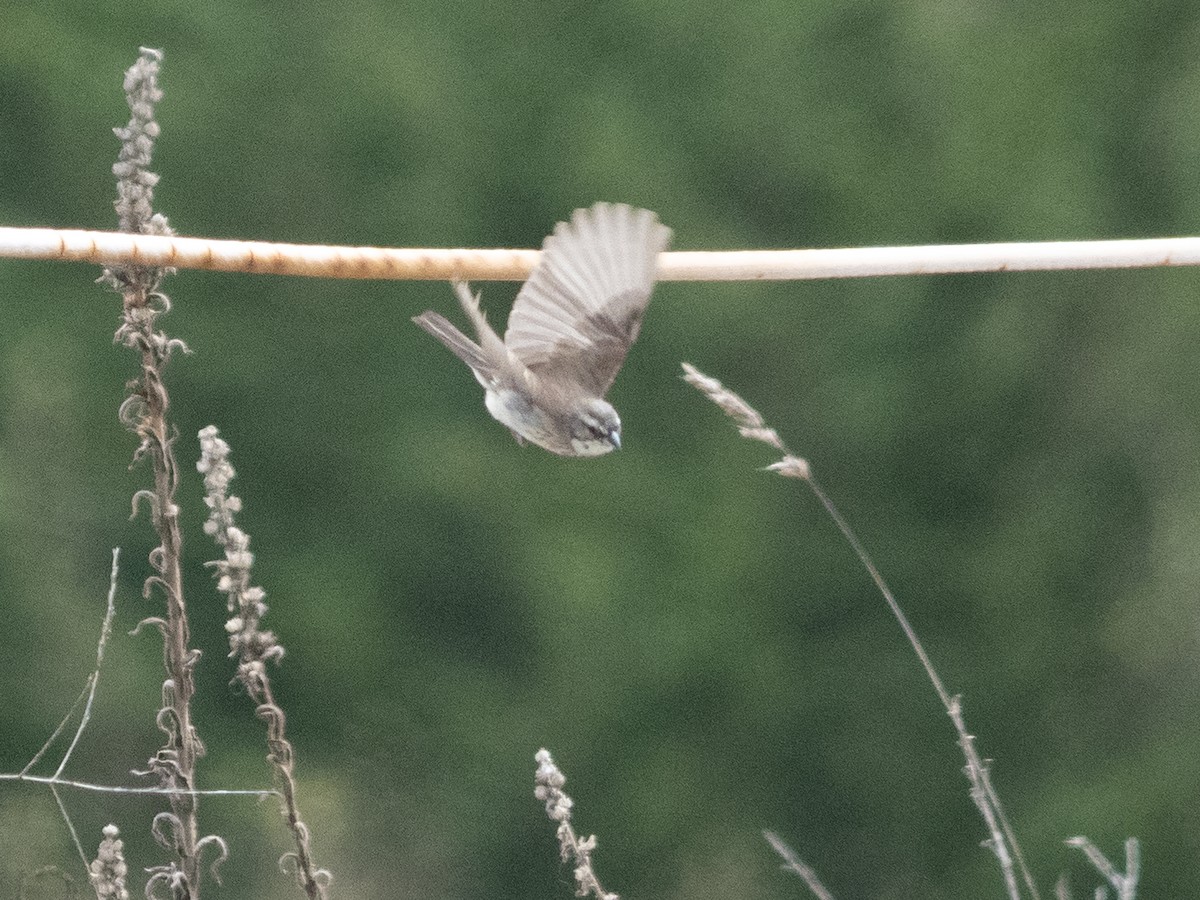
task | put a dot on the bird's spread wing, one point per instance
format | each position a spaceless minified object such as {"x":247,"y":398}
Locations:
{"x":581,"y":309}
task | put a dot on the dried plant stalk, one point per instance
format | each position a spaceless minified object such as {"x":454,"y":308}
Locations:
{"x":144,"y":412}
{"x":793,"y":863}
{"x":253,"y":647}
{"x":549,"y":781}
{"x":108,"y":870}
{"x":1002,"y":840}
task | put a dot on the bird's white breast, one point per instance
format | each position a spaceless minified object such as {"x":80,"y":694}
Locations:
{"x":522,"y":416}
{"x":590,"y":447}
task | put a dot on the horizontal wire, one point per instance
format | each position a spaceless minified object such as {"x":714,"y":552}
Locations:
{"x":116,"y":248}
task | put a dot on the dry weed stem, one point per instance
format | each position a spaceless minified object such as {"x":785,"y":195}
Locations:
{"x":549,"y":781}
{"x":253,"y":647}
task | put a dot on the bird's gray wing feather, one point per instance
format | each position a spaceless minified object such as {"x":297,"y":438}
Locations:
{"x":581,"y":309}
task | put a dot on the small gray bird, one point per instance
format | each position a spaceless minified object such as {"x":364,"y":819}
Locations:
{"x":569,"y":330}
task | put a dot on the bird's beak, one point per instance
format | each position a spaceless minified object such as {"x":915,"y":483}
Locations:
{"x":615,"y":437}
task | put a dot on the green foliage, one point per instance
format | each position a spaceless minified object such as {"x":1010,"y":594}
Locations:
{"x":687,"y":635}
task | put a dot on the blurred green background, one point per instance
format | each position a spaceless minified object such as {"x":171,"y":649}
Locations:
{"x":688,"y":635}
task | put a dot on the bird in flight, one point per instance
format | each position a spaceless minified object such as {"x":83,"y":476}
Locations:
{"x":570,"y":328}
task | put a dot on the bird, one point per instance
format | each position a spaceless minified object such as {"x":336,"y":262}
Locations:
{"x":569,"y":331}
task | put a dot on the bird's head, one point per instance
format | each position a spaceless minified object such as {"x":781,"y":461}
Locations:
{"x":595,"y":428}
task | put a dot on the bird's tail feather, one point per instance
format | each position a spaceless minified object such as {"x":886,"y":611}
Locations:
{"x":457,"y":342}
